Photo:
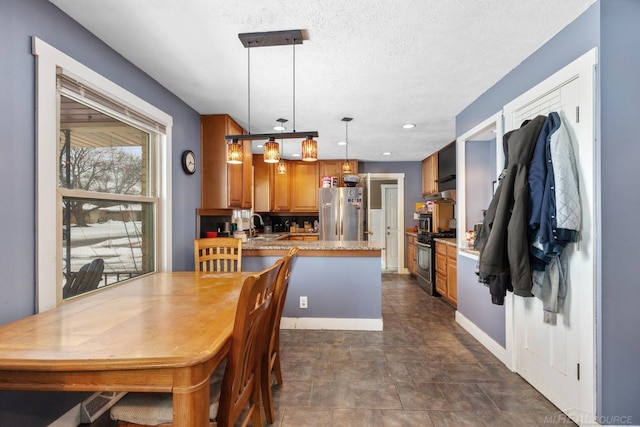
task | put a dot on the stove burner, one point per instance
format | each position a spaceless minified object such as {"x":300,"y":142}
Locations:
{"x":426,"y":237}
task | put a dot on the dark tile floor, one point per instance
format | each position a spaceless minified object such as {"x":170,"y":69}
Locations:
{"x":422,"y":370}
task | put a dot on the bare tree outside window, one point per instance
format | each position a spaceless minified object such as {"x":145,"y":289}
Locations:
{"x":107,"y":224}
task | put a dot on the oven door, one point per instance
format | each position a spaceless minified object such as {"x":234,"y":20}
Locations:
{"x":424,"y":268}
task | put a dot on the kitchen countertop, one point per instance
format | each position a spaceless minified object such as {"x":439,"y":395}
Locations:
{"x":268,"y":246}
{"x":446,"y":240}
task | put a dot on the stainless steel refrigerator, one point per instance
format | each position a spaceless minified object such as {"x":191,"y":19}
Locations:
{"x":342,"y":213}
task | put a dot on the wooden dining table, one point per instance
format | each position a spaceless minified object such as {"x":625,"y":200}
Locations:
{"x":162,"y":332}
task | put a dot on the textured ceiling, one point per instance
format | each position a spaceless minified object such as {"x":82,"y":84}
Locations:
{"x":384,"y":63}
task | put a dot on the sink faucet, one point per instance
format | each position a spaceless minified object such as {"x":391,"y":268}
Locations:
{"x":252,"y":227}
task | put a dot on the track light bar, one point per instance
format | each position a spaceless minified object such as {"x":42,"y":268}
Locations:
{"x":277,"y":135}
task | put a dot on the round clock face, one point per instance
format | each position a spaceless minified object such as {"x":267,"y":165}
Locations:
{"x":189,"y":162}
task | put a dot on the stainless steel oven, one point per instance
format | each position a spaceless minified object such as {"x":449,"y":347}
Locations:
{"x":424,"y":268}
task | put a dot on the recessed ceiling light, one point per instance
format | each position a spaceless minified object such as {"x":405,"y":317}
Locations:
{"x":342,"y":143}
{"x":279,"y":128}
{"x":259,"y":146}
{"x":409,"y":126}
{"x":296,"y":155}
{"x":386,"y":153}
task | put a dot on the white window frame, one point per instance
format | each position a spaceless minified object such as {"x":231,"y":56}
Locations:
{"x":49,"y":61}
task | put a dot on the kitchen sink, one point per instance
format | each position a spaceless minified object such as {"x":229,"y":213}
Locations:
{"x":265,"y":237}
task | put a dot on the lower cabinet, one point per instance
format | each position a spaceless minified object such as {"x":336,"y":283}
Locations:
{"x":447,"y":272}
{"x":307,"y":238}
{"x":412,"y":260}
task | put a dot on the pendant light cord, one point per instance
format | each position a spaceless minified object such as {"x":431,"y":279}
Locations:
{"x":346,"y":140}
{"x":294,"y":85}
{"x":249,"y":87}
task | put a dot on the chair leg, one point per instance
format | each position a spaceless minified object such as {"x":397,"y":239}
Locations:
{"x":277,"y":369}
{"x":267,"y":393}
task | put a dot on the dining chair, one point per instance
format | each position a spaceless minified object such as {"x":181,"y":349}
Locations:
{"x":271,"y":356}
{"x":238,"y":391}
{"x":218,"y":254}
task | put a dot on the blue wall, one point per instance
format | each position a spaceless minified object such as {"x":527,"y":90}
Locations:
{"x":618,"y":333}
{"x":610,"y":25}
{"x":19,"y":21}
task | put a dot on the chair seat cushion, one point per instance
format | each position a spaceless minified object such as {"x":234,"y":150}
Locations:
{"x":157,"y":408}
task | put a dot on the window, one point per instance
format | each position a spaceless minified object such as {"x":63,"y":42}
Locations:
{"x":103,"y":181}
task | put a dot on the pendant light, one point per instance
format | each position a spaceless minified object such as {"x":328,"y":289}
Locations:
{"x":271,"y":151}
{"x":234,"y":149}
{"x":234,"y":153}
{"x":309,"y":145}
{"x":282,"y":166}
{"x":346,"y":167}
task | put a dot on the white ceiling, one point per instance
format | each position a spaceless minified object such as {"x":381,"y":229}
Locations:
{"x":384,"y":63}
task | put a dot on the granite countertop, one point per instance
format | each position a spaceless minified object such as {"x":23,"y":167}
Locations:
{"x":446,"y":240}
{"x":319,"y":245}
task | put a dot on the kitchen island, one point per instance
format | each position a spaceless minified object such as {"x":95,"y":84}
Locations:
{"x":342,"y":282}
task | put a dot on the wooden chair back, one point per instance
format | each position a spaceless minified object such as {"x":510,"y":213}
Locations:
{"x":218,"y":254}
{"x":240,"y":388}
{"x":241,"y":382}
{"x":271,"y":356}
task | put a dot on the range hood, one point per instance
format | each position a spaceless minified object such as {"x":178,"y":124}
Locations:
{"x":446,"y":196}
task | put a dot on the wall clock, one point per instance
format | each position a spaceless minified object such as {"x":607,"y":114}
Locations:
{"x":189,"y":162}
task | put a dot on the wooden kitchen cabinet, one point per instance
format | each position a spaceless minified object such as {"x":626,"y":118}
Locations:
{"x":223,"y":185}
{"x":280,"y":188}
{"x":452,"y":275}
{"x":412,"y":254}
{"x":261,"y":190}
{"x":430,"y":174}
{"x":306,"y":238}
{"x":304,"y":186}
{"x":447,"y":272}
{"x":334,"y":168}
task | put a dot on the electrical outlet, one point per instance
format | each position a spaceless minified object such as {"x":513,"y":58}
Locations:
{"x":303,"y":302}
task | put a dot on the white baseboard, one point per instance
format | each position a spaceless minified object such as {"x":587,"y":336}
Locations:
{"x":496,"y":349}
{"x":337,"y":324}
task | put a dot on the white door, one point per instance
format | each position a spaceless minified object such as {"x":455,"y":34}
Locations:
{"x":558,"y":359}
{"x":390,"y":213}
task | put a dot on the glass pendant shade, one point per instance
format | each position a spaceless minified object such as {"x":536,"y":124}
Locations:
{"x":346,"y":167}
{"x":282,"y":168}
{"x":271,"y":152}
{"x":234,"y":153}
{"x":309,"y":150}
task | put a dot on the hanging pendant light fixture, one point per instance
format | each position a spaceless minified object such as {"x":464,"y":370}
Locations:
{"x":346,"y":167}
{"x":275,"y":38}
{"x":271,"y":151}
{"x":234,"y":153}
{"x":282,"y":166}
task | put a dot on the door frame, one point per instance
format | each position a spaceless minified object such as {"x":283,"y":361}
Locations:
{"x":399,"y":178}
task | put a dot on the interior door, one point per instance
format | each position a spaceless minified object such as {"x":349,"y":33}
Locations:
{"x":390,"y":212}
{"x":558,"y":359}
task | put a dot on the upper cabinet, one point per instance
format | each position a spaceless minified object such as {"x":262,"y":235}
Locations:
{"x":334,"y":168}
{"x":430,"y":175}
{"x":224,"y":186}
{"x":304,"y":186}
{"x":295,"y":191}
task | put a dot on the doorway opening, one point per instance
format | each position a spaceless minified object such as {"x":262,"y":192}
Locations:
{"x":385,"y":217}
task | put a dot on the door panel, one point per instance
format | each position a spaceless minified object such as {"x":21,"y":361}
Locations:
{"x":547,"y":355}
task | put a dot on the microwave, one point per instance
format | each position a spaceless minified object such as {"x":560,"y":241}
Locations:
{"x":425,"y":222}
